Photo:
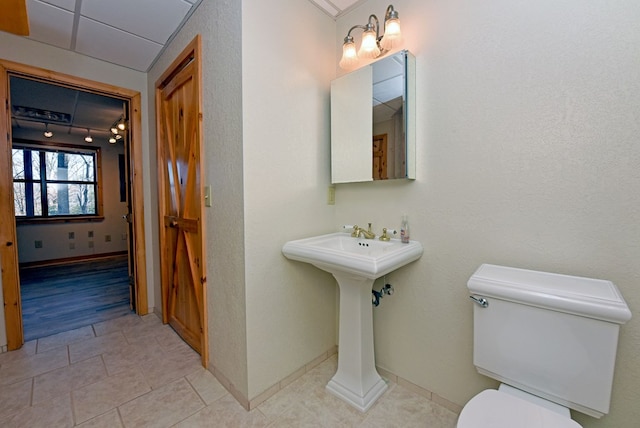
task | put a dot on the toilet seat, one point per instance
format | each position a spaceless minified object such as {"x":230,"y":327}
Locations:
{"x":496,"y":409}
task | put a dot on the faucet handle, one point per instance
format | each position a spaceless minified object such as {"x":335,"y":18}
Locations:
{"x":384,"y":236}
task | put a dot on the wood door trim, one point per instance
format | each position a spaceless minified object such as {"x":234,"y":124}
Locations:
{"x":187,"y":64}
{"x":9,"y":254}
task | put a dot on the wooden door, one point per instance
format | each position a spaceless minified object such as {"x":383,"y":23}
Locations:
{"x":380,"y":157}
{"x":181,"y":191}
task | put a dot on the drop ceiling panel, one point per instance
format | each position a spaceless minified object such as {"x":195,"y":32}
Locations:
{"x":328,"y":7}
{"x":151,"y":19}
{"x":69,"y":5}
{"x":335,"y":7}
{"x":50,"y":24}
{"x":119,"y":47}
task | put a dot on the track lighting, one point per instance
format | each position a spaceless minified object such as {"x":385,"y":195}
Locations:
{"x":118,"y":125}
{"x":88,"y":138}
{"x":372,"y":45}
{"x":47,"y":133}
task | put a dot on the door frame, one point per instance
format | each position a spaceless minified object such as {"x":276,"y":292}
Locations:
{"x":8,"y":244}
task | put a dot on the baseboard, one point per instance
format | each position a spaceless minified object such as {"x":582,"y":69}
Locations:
{"x":431,"y":396}
{"x":272,"y":390}
{"x":68,"y":260}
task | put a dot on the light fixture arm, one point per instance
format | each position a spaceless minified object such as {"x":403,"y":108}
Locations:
{"x":377,"y":25}
{"x":349,"y":36}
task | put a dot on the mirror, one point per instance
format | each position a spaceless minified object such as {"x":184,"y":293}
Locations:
{"x":373,"y":121}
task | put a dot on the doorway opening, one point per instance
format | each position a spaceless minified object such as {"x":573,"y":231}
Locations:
{"x":67,"y":211}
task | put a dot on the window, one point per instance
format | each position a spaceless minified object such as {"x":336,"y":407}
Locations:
{"x":52,"y":182}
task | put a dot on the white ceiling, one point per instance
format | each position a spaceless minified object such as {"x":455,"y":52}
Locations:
{"x":130,"y":33}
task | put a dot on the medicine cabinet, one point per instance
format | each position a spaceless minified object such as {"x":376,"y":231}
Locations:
{"x":373,"y":121}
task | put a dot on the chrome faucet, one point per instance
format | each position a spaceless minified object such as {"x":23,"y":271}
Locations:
{"x":358,"y":231}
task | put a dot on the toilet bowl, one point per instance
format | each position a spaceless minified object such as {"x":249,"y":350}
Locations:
{"x":507,"y":407}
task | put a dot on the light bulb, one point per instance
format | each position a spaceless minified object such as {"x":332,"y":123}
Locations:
{"x":349,"y":56}
{"x":88,"y":138}
{"x":392,"y":35}
{"x":47,"y":133}
{"x":369,"y":47}
{"x":121,"y":126}
{"x":112,"y":140}
{"x":114,"y":130}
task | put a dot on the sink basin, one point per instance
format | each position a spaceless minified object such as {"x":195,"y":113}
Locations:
{"x":355,"y":263}
{"x":339,"y":252}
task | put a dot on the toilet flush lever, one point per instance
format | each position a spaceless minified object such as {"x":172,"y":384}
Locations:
{"x":480,"y":300}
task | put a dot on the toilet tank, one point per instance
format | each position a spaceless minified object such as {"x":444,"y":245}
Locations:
{"x":554,"y":336}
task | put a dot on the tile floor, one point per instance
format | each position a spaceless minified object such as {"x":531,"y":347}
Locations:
{"x":135,"y":372}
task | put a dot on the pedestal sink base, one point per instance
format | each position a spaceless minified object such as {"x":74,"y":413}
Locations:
{"x":362,"y":403}
{"x":356,"y":381}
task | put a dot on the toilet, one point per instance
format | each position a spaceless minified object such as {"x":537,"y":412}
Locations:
{"x":551,"y":341}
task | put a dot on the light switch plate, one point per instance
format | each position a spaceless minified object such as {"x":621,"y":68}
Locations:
{"x":207,"y":196}
{"x":331,"y":195}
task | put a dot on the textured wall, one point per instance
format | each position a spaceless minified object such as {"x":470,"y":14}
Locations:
{"x":528,"y":156}
{"x":291,"y":311}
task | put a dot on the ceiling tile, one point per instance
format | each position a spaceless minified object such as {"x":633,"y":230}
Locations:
{"x":152,"y":19}
{"x":116,"y":46}
{"x":50,"y":24}
{"x":69,"y":5}
{"x":327,"y":7}
{"x":343,"y":4}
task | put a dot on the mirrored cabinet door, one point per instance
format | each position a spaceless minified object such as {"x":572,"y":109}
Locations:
{"x":372,"y":122}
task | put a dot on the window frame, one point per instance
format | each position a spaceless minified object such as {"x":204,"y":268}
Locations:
{"x":53,"y":147}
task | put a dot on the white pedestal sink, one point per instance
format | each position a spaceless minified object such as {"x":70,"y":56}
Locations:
{"x":355,"y":263}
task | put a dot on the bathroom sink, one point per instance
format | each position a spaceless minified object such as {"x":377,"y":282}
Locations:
{"x":355,"y":263}
{"x":341,"y":253}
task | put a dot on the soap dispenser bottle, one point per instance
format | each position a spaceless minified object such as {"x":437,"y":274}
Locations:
{"x":404,"y":229}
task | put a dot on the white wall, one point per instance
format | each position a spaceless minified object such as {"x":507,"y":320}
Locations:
{"x":55,"y":236}
{"x":291,"y":311}
{"x":528,"y":156}
{"x":25,"y":51}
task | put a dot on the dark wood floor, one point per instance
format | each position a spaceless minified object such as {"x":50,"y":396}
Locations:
{"x":66,"y":297}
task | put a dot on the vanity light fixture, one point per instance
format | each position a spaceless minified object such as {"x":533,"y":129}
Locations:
{"x":88,"y":138}
{"x":47,"y":133}
{"x":373,"y":45}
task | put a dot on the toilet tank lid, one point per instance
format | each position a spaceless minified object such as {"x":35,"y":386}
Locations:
{"x":594,"y":298}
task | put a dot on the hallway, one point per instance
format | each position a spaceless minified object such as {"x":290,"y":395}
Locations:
{"x":136,"y":372}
